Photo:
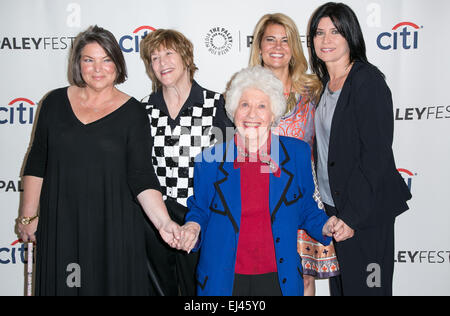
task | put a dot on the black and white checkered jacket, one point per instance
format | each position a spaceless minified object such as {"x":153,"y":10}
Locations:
{"x":176,"y":142}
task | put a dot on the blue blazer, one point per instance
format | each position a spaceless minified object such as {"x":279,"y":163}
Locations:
{"x":216,"y":206}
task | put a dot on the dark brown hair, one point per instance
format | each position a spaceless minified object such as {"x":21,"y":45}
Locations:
{"x":346,"y":22}
{"x":109,"y":44}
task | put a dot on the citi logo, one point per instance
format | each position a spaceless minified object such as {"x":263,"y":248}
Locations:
{"x":405,"y":35}
{"x":130,"y":43}
{"x":407,"y":176}
{"x":19,"y":111}
{"x":13,"y":254}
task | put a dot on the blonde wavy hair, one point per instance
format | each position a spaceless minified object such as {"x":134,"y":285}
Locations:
{"x":169,"y":39}
{"x":308,"y":85}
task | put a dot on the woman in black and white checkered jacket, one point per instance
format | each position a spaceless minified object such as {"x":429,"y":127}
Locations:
{"x":185,"y":119}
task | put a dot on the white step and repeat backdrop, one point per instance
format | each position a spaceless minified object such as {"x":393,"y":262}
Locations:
{"x":406,"y":39}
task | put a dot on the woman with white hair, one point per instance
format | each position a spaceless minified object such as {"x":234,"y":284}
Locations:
{"x":277,"y":46}
{"x":251,"y":195}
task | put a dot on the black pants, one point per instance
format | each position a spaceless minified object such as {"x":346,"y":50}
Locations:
{"x":256,"y":285}
{"x":366,"y":261}
{"x":172,"y":272}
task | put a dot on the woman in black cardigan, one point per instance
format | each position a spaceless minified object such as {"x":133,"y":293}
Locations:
{"x":358,"y":179}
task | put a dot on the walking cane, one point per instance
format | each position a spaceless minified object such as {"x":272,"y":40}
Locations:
{"x":154,"y":277}
{"x":30,"y":269}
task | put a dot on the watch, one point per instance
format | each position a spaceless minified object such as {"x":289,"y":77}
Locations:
{"x":27,"y":220}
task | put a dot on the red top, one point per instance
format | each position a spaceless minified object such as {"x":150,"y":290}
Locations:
{"x":256,"y":250}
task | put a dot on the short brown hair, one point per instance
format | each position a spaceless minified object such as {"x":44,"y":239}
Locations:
{"x":169,"y":39}
{"x":109,"y":44}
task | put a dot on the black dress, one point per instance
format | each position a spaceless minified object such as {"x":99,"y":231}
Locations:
{"x":91,"y":226}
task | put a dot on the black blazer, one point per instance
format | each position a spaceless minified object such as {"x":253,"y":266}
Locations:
{"x":365,"y":185}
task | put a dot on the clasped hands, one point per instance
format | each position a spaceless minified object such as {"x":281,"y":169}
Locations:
{"x":181,"y":238}
{"x":186,"y":236}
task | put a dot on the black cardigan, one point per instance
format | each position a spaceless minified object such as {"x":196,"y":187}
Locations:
{"x":365,"y":185}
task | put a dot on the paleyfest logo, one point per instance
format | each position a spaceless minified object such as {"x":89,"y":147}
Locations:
{"x":11,"y":186}
{"x":405,"y":35}
{"x":18,"y":111}
{"x":130,"y":43}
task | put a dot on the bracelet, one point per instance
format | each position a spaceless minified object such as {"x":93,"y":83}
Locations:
{"x":27,"y":220}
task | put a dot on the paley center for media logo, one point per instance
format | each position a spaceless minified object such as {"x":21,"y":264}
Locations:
{"x":219,"y":41}
{"x":404,"y":35}
{"x":130,"y":43}
{"x":18,"y":111}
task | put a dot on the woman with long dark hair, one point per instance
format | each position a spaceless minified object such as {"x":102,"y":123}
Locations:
{"x":357,"y":176}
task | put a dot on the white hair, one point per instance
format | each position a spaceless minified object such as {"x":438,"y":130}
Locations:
{"x":260,"y":78}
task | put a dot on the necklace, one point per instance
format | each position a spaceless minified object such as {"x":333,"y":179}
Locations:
{"x":243,"y":153}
